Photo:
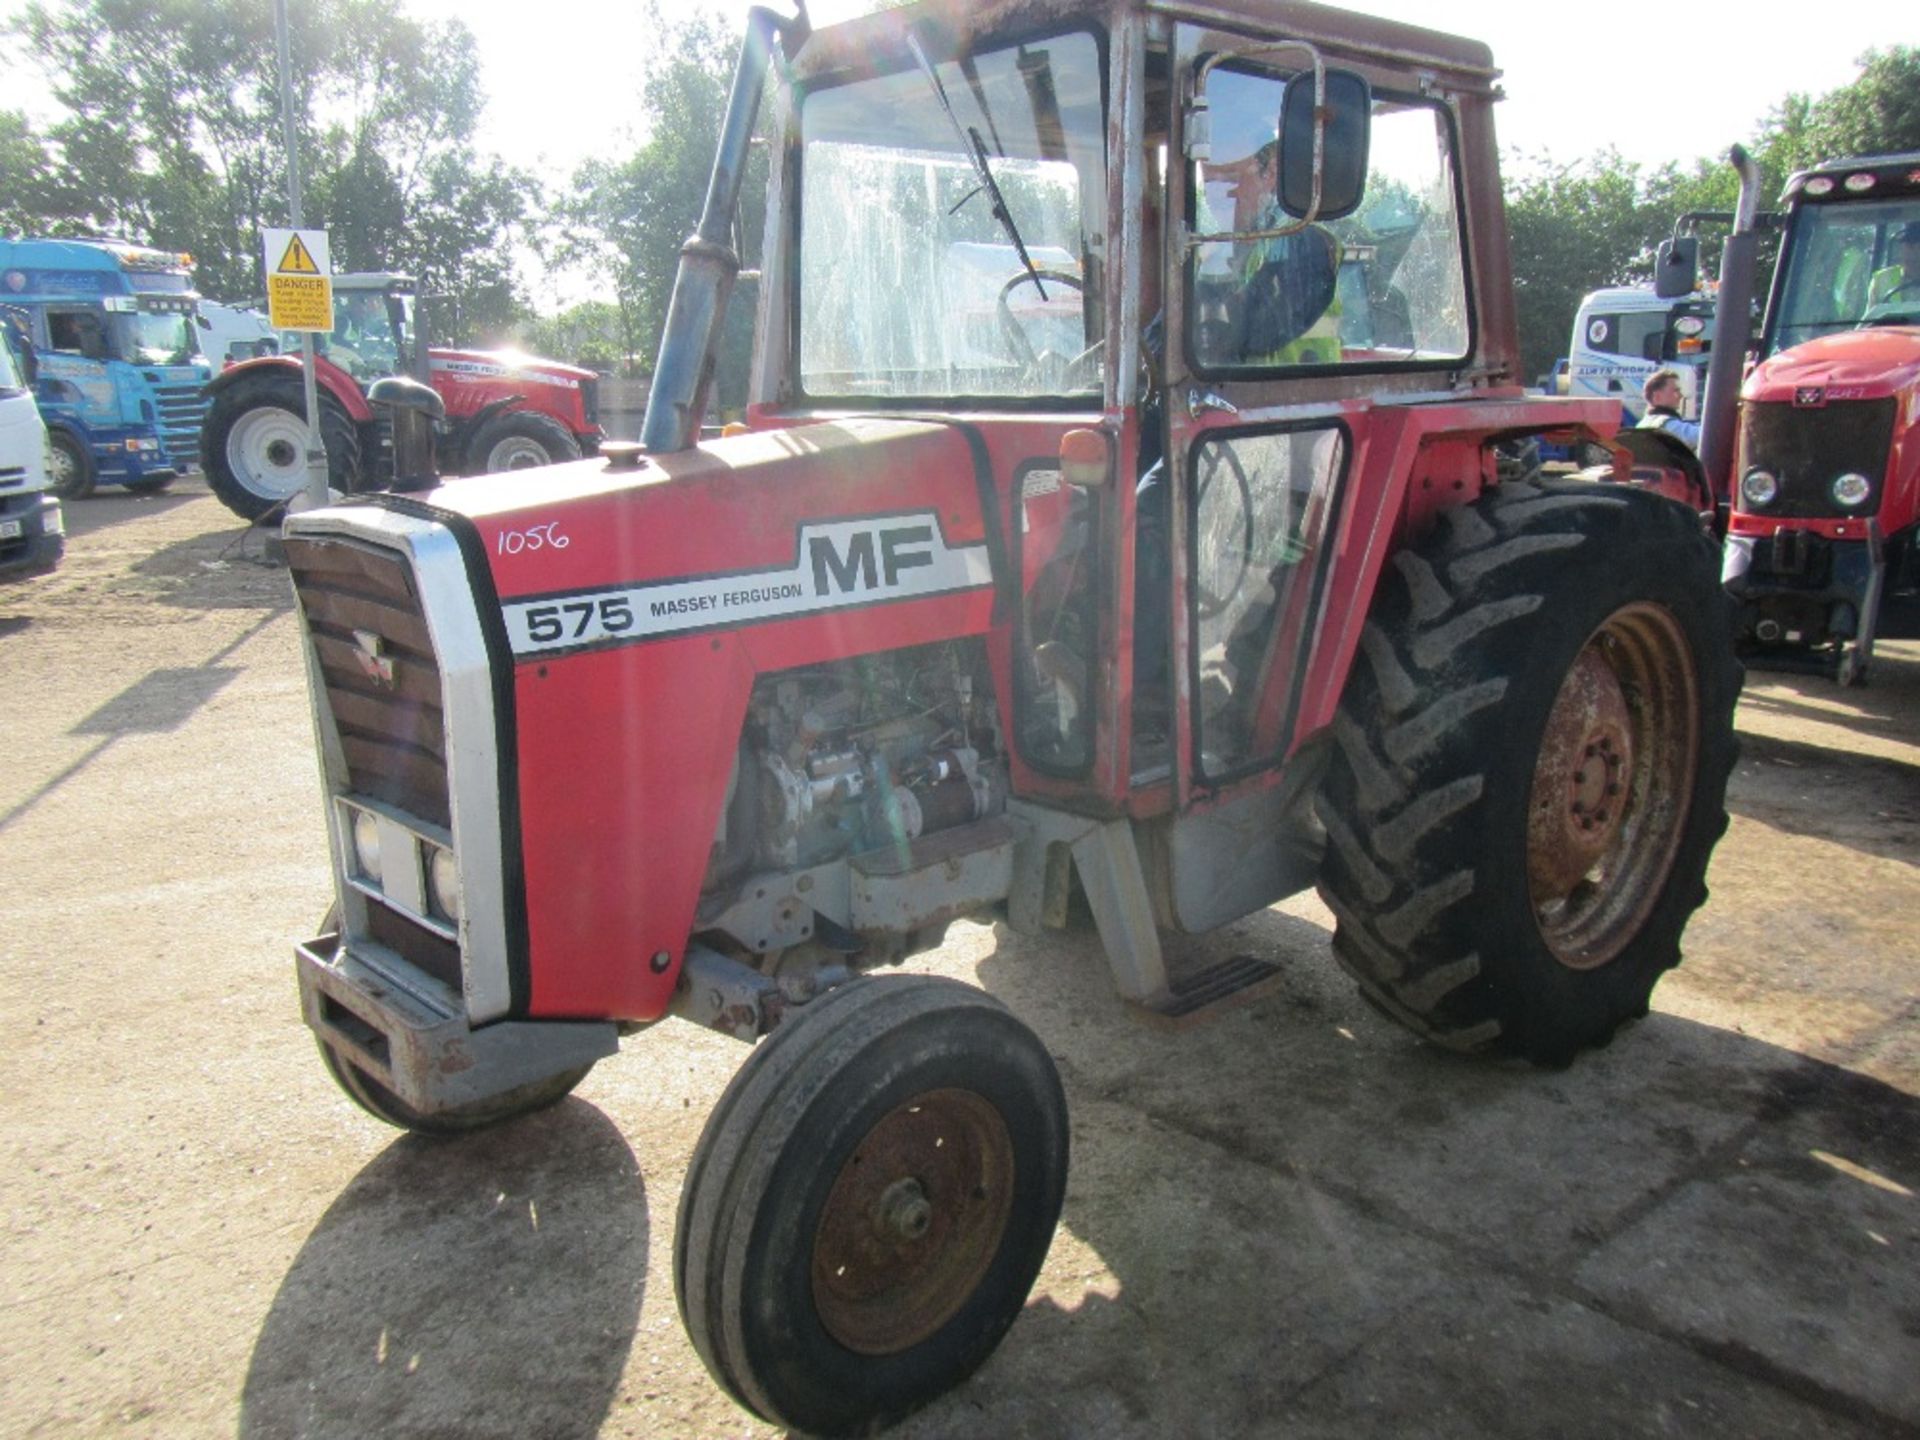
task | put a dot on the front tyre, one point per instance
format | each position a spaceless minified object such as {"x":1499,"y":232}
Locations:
{"x":71,"y":469}
{"x":253,"y":445}
{"x":520,"y":440}
{"x":381,"y":1103}
{"x":870,"y":1203}
{"x":1531,"y":768}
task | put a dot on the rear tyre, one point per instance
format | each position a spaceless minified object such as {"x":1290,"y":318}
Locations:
{"x":520,"y":440}
{"x":1531,"y":768}
{"x":73,"y":472}
{"x":381,"y":1103}
{"x":254,"y":442}
{"x":870,"y":1203}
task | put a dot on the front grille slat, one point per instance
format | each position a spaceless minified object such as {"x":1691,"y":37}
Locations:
{"x":392,"y":731}
{"x":1808,"y":447}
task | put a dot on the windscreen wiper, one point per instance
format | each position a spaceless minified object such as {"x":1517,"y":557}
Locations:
{"x":976,"y":149}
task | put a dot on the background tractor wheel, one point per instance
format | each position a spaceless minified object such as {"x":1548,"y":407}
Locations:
{"x":253,"y":446}
{"x":381,"y":1103}
{"x":73,"y":471}
{"x":1531,"y":768}
{"x":520,"y":440}
{"x":870,"y":1203}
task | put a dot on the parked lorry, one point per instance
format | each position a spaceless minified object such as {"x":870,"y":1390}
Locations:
{"x":120,"y":373}
{"x":32,"y":532}
{"x":504,"y":410}
{"x":1159,"y":609}
{"x":1624,"y":333}
{"x":1818,"y":448}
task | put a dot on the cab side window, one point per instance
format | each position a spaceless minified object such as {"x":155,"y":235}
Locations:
{"x":77,"y":332}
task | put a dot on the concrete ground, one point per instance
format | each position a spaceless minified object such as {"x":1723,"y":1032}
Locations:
{"x":1293,"y":1222}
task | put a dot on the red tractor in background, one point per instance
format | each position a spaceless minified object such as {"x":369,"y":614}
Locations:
{"x":1817,"y":448}
{"x":504,"y":410}
{"x":1161,"y":572}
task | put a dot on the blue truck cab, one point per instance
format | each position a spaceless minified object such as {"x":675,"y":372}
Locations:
{"x":120,"y":369}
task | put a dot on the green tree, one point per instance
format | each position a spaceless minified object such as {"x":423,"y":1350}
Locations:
{"x":627,"y":218}
{"x":171,"y":132}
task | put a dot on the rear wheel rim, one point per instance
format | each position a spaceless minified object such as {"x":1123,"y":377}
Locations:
{"x":1612,"y":785}
{"x":267,"y":452}
{"x":913,"y":1222}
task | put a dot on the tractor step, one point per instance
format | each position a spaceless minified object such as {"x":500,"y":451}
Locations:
{"x":1195,"y":998}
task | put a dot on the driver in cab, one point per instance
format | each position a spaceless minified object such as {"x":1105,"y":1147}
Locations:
{"x":1896,"y":285}
{"x":1288,"y":313}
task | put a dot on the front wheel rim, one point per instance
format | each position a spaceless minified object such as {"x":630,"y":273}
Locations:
{"x":267,"y":452}
{"x":517,"y":452}
{"x":1612,"y":785}
{"x":913,"y":1222}
{"x":63,"y":466}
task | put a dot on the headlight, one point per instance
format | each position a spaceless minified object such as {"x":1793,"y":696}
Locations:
{"x":443,"y":880}
{"x":366,"y":845}
{"x":1759,"y":488}
{"x":1851,"y":489}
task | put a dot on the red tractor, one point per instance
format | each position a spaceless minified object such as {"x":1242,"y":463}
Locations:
{"x":1821,"y":457}
{"x":504,"y":410}
{"x":1236,"y":581}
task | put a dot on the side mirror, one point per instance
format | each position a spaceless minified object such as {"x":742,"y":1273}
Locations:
{"x":1677,"y":272}
{"x":24,"y":355}
{"x":1345,"y":122}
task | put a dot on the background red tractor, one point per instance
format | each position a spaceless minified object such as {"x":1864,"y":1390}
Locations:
{"x":504,"y":410}
{"x":1817,"y":447}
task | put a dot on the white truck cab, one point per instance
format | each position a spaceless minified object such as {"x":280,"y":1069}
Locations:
{"x":1623,"y":334}
{"x":32,"y":532}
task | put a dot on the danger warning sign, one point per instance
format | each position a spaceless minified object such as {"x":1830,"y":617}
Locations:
{"x":299,"y":290}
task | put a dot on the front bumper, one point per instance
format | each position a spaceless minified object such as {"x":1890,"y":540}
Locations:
{"x":1797,"y":587}
{"x":410,"y":1034}
{"x":41,"y":540}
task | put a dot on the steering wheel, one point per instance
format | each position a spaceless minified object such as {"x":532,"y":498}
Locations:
{"x":1024,"y":352}
{"x":1882,"y":304}
{"x":1222,"y":557}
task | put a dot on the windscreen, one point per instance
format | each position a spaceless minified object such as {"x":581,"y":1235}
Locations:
{"x":1848,"y":265}
{"x":910,"y":285}
{"x":157,"y":337}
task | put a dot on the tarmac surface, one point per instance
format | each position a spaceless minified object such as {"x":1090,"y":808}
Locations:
{"x":1294,"y":1221}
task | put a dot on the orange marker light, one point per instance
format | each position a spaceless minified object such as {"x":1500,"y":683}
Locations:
{"x":1084,"y":458}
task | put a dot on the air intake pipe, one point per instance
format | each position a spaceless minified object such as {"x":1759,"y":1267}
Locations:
{"x":1733,"y":331}
{"x":683,"y":374}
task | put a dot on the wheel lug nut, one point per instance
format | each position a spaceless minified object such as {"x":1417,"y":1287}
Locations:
{"x":1579,"y":777}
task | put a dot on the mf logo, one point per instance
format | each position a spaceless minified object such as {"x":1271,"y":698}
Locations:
{"x":1810,"y":397}
{"x":873,"y":559}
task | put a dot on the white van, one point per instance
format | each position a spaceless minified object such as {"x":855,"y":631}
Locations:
{"x":32,"y":532}
{"x":1622,"y":335}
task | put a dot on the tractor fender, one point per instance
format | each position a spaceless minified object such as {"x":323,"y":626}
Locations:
{"x":330,"y":378}
{"x":470,"y":424}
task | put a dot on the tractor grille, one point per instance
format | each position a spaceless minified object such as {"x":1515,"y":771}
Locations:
{"x":364,"y":621}
{"x":182,"y":411}
{"x":1808,"y":448}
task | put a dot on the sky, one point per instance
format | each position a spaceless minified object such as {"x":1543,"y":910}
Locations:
{"x":1657,"y":83}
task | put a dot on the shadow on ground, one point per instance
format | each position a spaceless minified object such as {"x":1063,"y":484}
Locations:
{"x":1300,"y":1222}
{"x":485,"y":1287}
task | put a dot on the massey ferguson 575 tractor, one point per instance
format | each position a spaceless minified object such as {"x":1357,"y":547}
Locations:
{"x":1195,"y":564}
{"x":503,"y":410}
{"x":1823,"y":463}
